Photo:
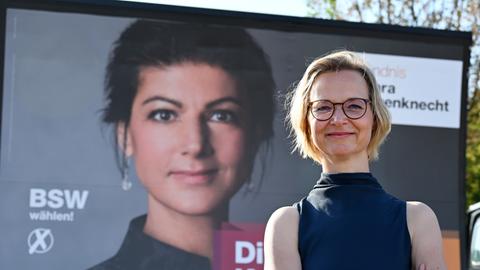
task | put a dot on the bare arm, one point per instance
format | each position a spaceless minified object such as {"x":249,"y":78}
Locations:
{"x":281,"y":240}
{"x":425,"y":236}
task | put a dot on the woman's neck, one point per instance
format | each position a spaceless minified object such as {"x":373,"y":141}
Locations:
{"x":193,"y":234}
{"x":346,"y":164}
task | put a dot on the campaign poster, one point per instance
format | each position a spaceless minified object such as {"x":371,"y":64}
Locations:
{"x":81,"y":177}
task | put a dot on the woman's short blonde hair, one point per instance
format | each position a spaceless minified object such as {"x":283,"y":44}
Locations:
{"x":298,"y":103}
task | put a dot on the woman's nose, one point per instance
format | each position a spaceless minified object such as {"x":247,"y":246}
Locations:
{"x":196,"y":141}
{"x":338,"y":115}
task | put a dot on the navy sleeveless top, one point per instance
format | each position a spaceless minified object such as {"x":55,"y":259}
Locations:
{"x":349,"y":222}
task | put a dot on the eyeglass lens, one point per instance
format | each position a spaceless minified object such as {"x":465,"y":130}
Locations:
{"x":353,"y":108}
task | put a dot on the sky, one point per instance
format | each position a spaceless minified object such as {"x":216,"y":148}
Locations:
{"x":279,"y":7}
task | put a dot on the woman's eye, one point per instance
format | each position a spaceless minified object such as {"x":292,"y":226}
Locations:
{"x":162,"y":115}
{"x":323,"y":109}
{"x":354,"y":107}
{"x":223,"y":116}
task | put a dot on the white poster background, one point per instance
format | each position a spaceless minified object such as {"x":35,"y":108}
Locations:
{"x":419,"y":91}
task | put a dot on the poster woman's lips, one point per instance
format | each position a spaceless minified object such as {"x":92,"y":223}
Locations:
{"x":202,"y":176}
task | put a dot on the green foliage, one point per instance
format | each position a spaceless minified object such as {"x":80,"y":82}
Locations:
{"x":322,"y":9}
{"x":460,"y":15}
{"x":473,"y":149}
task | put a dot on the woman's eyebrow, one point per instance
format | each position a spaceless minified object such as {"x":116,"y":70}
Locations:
{"x":160,"y":98}
{"x":224,"y":100}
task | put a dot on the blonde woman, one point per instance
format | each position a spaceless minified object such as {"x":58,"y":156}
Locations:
{"x":347,"y":221}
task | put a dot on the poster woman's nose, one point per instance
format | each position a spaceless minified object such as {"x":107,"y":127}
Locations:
{"x":196,"y":141}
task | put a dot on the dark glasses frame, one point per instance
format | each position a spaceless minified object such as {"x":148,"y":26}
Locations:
{"x":334,"y":105}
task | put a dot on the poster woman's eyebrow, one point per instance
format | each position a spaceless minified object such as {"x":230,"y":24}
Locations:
{"x":160,"y":98}
{"x":224,"y":100}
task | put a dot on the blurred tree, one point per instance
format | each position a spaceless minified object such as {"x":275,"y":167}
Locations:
{"x":460,"y":15}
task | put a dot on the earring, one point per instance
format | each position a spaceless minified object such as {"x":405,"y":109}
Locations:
{"x":126,"y":183}
{"x":250,"y":186}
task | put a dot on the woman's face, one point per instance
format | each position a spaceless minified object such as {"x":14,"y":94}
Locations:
{"x":341,"y":137}
{"x":188,"y":136}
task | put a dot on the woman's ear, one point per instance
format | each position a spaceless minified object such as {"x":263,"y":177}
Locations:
{"x":124,"y":139}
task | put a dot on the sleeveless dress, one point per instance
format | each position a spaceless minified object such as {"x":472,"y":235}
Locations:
{"x":349,"y":222}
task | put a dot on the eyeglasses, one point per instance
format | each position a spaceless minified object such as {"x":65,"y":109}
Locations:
{"x":353,"y":108}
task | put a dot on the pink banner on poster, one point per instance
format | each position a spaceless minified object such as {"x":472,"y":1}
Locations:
{"x":239,"y":247}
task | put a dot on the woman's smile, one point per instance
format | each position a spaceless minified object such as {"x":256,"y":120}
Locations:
{"x":194,"y":177}
{"x":339,"y":134}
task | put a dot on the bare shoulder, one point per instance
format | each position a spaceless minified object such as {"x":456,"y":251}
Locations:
{"x":425,"y":236}
{"x":281,"y":240}
{"x":420,"y":215}
{"x":284,"y":214}
{"x":284,"y":220}
{"x":419,"y":208}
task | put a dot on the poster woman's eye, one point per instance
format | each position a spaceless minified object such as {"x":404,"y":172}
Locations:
{"x":223,"y":116}
{"x":162,"y":115}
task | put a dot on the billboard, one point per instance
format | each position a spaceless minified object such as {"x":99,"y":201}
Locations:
{"x":104,"y":104}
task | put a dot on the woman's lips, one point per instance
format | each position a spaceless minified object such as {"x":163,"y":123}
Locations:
{"x":194,"y":177}
{"x":339,"y":134}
